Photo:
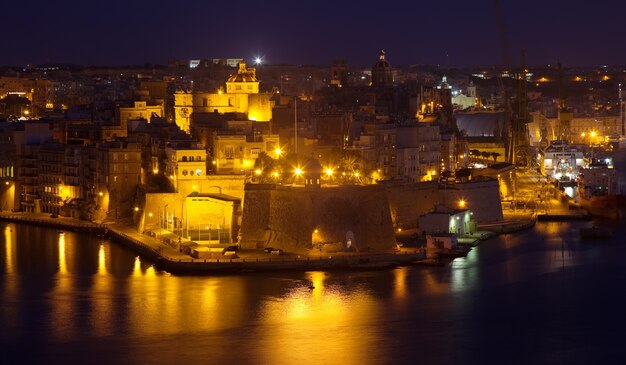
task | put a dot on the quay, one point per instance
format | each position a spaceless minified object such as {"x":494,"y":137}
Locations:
{"x":168,"y":256}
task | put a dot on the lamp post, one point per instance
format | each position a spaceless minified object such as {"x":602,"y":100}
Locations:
{"x":165,"y":217}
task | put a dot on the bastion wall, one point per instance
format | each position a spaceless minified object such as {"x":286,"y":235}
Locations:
{"x":295,"y":218}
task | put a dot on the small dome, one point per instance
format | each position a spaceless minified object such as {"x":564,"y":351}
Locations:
{"x":312,"y":167}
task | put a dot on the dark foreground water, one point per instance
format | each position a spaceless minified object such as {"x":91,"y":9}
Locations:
{"x":537,"y":297}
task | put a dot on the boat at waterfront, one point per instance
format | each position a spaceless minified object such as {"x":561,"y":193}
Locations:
{"x":598,"y":191}
{"x":595,"y":232}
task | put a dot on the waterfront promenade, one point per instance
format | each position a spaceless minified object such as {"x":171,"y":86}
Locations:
{"x":164,"y":249}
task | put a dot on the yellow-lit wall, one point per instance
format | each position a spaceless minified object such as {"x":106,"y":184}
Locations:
{"x":140,"y":110}
{"x":205,"y":211}
{"x":260,"y":107}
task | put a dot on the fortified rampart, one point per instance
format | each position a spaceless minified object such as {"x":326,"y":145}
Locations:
{"x":294,"y":218}
{"x":409,"y":201}
{"x":481,"y":196}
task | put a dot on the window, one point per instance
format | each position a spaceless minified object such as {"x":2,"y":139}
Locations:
{"x":199,"y":172}
{"x":185,"y":172}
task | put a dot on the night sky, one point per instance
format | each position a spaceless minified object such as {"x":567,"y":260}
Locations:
{"x":447,"y":33}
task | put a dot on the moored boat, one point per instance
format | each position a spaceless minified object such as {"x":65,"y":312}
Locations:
{"x":597,"y":191}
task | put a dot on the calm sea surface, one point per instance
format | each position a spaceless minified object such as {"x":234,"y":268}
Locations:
{"x":541,"y":296}
{"x":537,"y":297}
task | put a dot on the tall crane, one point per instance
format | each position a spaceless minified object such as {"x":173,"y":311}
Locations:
{"x":518,"y":151}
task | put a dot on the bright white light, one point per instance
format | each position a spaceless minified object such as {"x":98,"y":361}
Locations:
{"x":258,"y":60}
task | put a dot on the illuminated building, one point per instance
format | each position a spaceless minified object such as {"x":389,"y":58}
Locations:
{"x":236,"y":153}
{"x":241,"y":96}
{"x":117,"y":175}
{"x":185,"y":162}
{"x":139,"y":110}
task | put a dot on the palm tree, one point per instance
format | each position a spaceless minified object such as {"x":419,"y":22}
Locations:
{"x":495,"y":156}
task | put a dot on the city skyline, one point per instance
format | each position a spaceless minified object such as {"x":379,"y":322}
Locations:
{"x":447,"y":34}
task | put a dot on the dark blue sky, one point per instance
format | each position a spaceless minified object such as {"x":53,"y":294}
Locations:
{"x":578,"y":32}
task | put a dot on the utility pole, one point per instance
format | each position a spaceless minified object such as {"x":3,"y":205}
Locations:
{"x":295,"y":122}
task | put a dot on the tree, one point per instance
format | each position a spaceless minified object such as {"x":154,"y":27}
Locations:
{"x":495,"y":156}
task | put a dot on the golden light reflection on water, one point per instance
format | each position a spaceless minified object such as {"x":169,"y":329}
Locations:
{"x":62,"y":311}
{"x":62,"y":262}
{"x":10,"y":289}
{"x":325,"y":322}
{"x":101,"y":317}
{"x":399,"y":281}
{"x":8,"y":246}
{"x":166,"y":304}
{"x":102,"y":260}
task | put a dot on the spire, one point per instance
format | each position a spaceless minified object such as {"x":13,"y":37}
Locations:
{"x":381,"y":56}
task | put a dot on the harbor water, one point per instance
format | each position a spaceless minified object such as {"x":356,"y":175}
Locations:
{"x":541,"y":296}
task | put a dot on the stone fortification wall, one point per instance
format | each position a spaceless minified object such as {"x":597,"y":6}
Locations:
{"x":409,"y":201}
{"x":256,"y":216}
{"x":481,"y":197}
{"x":294,"y":218}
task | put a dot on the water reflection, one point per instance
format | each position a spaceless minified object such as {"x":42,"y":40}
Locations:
{"x":9,"y":257}
{"x":399,"y":282}
{"x":78,"y":293}
{"x":326,"y":322}
{"x":63,"y":309}
{"x":62,"y":259}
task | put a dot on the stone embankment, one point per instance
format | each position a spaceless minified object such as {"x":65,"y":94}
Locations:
{"x":168,"y":257}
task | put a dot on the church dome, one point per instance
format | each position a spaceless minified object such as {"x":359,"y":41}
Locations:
{"x":244,"y":74}
{"x":382,"y":62}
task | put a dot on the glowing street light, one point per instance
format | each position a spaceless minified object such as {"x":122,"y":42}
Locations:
{"x":298,"y":171}
{"x":258,"y":60}
{"x":462,"y":203}
{"x":257,"y":172}
{"x":329,"y":172}
{"x":278,"y":152}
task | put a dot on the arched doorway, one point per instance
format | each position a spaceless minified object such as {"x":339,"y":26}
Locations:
{"x":350,"y":245}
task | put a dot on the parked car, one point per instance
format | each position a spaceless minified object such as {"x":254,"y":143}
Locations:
{"x":277,"y":251}
{"x":231,"y":248}
{"x":268,"y":249}
{"x":54,"y":215}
